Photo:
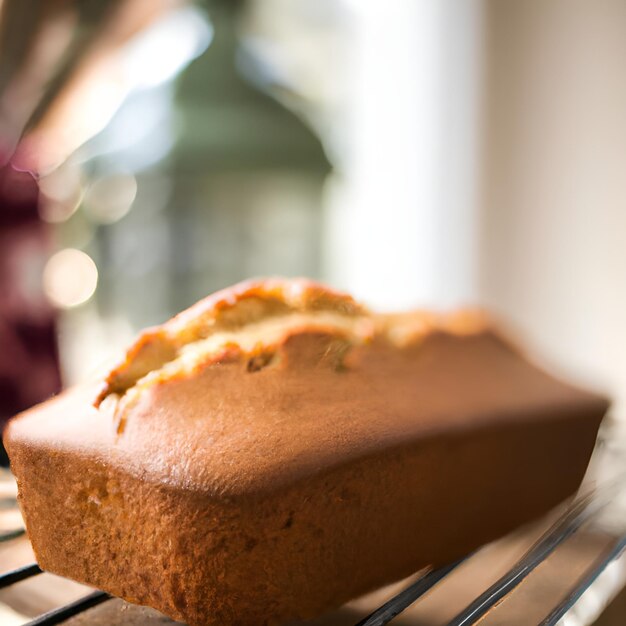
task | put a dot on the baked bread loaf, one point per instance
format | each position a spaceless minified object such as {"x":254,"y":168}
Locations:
{"x":277,"y":450}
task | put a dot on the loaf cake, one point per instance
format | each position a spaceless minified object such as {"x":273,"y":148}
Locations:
{"x":276,"y":450}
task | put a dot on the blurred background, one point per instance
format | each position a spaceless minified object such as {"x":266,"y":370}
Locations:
{"x":417,"y":153}
{"x":423,"y":153}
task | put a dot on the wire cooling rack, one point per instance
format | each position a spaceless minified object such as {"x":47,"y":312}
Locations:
{"x":581,"y":512}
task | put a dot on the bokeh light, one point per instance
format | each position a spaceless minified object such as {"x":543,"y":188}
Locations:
{"x":61,"y":193}
{"x":70,"y":278}
{"x":109,"y":198}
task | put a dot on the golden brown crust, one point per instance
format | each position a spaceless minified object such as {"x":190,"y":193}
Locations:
{"x":232,"y":309}
{"x":411,"y":327}
{"x":250,"y":321}
{"x":253,"y":482}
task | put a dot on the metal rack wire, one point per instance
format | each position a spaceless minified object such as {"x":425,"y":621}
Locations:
{"x":578,"y":514}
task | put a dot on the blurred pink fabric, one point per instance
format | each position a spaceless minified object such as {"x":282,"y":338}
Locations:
{"x":29,"y":365}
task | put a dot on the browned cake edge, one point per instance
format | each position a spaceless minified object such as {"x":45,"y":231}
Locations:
{"x":309,"y":548}
{"x":309,"y":545}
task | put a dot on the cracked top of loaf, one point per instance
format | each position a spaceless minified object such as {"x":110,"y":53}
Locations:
{"x":247,"y":317}
{"x":252,"y":319}
{"x":265,"y":382}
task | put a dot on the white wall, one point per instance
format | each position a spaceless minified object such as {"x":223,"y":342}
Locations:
{"x":553,"y":244}
{"x":402,"y":211}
